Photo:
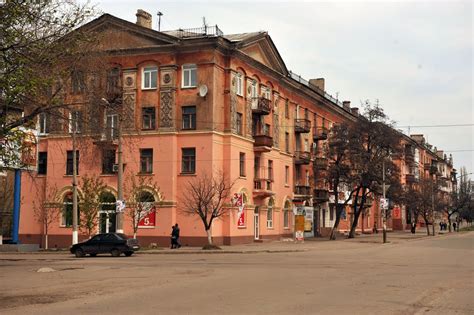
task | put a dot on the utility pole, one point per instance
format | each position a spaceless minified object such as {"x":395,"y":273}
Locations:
{"x":384,"y":211}
{"x":159,"y":20}
{"x":75,"y":212}
{"x":120,"y":172}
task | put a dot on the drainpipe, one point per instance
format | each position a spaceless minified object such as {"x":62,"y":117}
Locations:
{"x":16,"y":207}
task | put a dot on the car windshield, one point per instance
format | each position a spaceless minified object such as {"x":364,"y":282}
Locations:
{"x":122,"y":236}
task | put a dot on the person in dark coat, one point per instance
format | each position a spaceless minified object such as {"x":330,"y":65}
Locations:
{"x":175,"y":237}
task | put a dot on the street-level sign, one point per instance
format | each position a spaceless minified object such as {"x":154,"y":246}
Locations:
{"x":120,"y":205}
{"x":384,"y":203}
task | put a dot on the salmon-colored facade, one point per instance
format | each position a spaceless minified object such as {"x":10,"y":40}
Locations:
{"x":202,"y":104}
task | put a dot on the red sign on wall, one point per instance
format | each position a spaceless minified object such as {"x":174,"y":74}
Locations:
{"x":396,"y":213}
{"x":149,"y":220}
{"x":241,"y":222}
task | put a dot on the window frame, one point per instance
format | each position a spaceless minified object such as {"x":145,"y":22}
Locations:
{"x":148,"y":72}
{"x":42,"y":162}
{"x":239,"y":124}
{"x":69,"y":163}
{"x":106,"y":163}
{"x":188,"y":120}
{"x":43,"y":124}
{"x":242,"y":169}
{"x":270,"y":215}
{"x":146,"y":161}
{"x":287,"y":175}
{"x":187,"y":73}
{"x":239,"y":84}
{"x":151,"y":116}
{"x":188,"y":161}
{"x":75,"y":121}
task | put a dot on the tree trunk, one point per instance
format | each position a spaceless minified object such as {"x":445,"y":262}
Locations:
{"x":449,"y":223}
{"x":334,"y":229}
{"x":209,"y":236}
{"x":357,"y":211}
{"x":427,"y":226}
{"x":46,"y":241}
{"x":433,"y":228}
{"x":135,"y":234}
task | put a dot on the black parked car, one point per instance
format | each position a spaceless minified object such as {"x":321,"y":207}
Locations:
{"x":113,"y":243}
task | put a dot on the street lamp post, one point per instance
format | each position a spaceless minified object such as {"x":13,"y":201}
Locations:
{"x":119,"y":173}
{"x":384,"y":211}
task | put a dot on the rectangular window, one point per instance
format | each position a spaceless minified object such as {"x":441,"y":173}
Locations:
{"x":189,"y":76}
{"x":148,"y":118}
{"x":78,"y":84}
{"x":267,"y":93}
{"x":269,"y":217}
{"x":270,"y":175}
{"x":113,"y":82}
{"x":188,"y":161}
{"x":287,"y":109}
{"x":306,"y":145}
{"x":287,"y":142}
{"x":266,"y":129}
{"x":242,"y":164}
{"x":108,"y":161}
{"x":287,"y":175}
{"x":306,"y":113}
{"x":286,"y":218}
{"x":69,"y":166}
{"x":189,"y":117}
{"x":75,"y":121}
{"x":150,"y":75}
{"x":146,"y":161}
{"x":239,"y":123}
{"x":43,"y":123}
{"x":112,"y":126}
{"x":307,"y":178}
{"x":239,"y":84}
{"x":42,"y":163}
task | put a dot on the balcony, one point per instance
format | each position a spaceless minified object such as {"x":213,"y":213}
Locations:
{"x":427,"y":167}
{"x":410,"y":178}
{"x":302,"y":157}
{"x":409,"y":154}
{"x":320,"y":133}
{"x":260,"y":106}
{"x":106,"y":139}
{"x":321,"y":195}
{"x":434,"y":170}
{"x":302,"y":125}
{"x":263,"y":143}
{"x":320,"y":163}
{"x":302,"y":192}
{"x":262,"y":187}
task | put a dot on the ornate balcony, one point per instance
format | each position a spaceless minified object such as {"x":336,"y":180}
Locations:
{"x":321,"y":163}
{"x":263,"y":143}
{"x":320,"y":133}
{"x":302,"y":192}
{"x":260,"y":106}
{"x":302,"y":125}
{"x":262,"y":187}
{"x":409,"y":154}
{"x":321,"y":195}
{"x":106,"y":139}
{"x":302,"y":157}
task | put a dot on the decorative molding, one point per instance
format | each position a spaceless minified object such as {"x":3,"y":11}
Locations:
{"x":167,"y":109}
{"x":129,"y":80}
{"x":233,"y":113}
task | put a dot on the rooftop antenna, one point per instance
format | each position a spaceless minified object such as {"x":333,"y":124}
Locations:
{"x":159,"y":20}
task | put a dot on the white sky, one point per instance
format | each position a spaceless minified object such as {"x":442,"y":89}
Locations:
{"x":414,"y":56}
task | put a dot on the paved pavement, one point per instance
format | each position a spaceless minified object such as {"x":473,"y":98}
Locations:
{"x":410,"y":275}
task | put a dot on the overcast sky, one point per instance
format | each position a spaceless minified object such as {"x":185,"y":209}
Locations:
{"x":414,"y":56}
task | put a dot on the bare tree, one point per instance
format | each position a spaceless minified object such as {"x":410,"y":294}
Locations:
{"x":459,"y":198}
{"x":205,"y":196}
{"x":141,"y":201}
{"x":92,"y":188}
{"x":46,"y":210}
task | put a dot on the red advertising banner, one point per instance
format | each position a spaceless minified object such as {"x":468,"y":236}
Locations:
{"x":149,"y":220}
{"x":241,"y":222}
{"x":396,"y":213}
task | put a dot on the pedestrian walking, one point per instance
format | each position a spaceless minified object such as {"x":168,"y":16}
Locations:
{"x":175,"y":237}
{"x":440,"y":226}
{"x":454,"y":226}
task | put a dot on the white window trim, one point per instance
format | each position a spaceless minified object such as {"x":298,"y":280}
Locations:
{"x":239,"y":84}
{"x":270,"y":221}
{"x":72,"y":122}
{"x":44,"y":125}
{"x":189,"y":67}
{"x":155,"y":69}
{"x":286,"y":212}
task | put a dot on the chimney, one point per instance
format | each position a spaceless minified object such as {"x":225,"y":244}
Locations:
{"x":440,"y":153}
{"x":319,"y":83}
{"x":420,"y":139}
{"x":355,"y":111}
{"x":346,"y":105}
{"x":143,"y":18}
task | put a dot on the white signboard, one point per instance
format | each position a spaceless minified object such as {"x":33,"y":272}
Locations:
{"x":120,"y":205}
{"x":384,"y":203}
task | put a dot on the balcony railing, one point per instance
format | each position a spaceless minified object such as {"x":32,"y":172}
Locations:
{"x":302,"y":190}
{"x":208,"y":31}
{"x":262,"y":187}
{"x":321,"y":195}
{"x":302,"y":157}
{"x":320,"y":133}
{"x":409,"y":154}
{"x":302,"y":125}
{"x":260,"y":106}
{"x":320,"y":163}
{"x":263,"y":143}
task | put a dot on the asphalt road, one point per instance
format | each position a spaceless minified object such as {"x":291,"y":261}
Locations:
{"x":424,"y":276}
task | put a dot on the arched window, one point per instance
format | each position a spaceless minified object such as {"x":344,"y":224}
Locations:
{"x":286,"y":215}
{"x":271,"y":203}
{"x":107,"y":201}
{"x":107,"y":216}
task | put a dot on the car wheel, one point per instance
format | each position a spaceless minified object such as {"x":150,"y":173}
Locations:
{"x":128,"y":254}
{"x":79,"y":253}
{"x":115,"y":253}
{"x":93,"y":254}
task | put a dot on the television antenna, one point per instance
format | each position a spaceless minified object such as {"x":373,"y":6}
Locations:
{"x":159,"y":20}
